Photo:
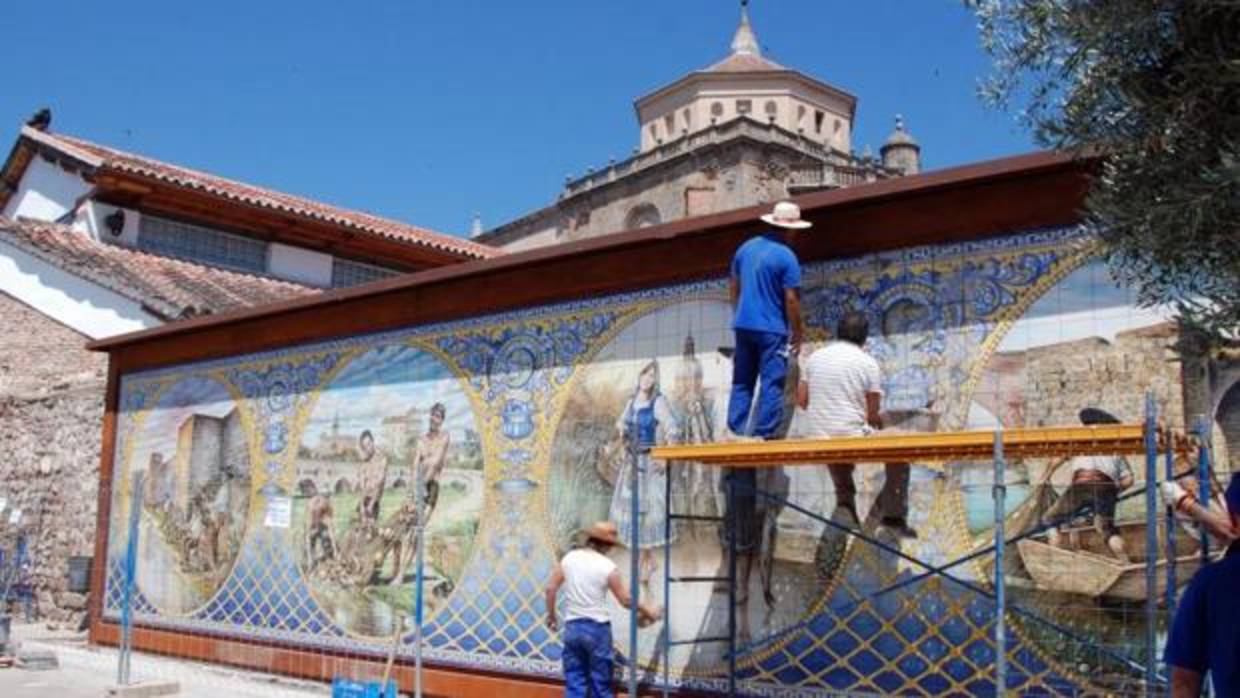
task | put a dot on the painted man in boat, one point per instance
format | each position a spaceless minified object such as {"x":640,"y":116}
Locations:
{"x":1096,"y":484}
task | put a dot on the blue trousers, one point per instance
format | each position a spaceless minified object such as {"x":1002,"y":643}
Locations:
{"x":761,"y":360}
{"x":587,"y":659}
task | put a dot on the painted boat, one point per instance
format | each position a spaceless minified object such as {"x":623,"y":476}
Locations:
{"x":1091,"y":570}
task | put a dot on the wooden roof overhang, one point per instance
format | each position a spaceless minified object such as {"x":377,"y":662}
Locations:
{"x":965,"y":203}
{"x":157,"y":197}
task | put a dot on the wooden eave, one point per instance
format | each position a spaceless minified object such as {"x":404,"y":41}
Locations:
{"x":964,"y":203}
{"x":154,"y":196}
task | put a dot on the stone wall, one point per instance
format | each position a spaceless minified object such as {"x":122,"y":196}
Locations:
{"x":51,"y":406}
{"x":1048,"y":385}
{"x":722,"y":177}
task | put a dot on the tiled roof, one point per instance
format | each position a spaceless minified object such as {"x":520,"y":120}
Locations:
{"x":111,"y":158}
{"x":167,"y":287}
{"x":744,"y":63}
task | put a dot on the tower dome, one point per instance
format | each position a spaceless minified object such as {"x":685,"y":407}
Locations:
{"x":901,"y":151}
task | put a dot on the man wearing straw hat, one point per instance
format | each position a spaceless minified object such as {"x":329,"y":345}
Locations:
{"x":586,"y":574}
{"x":1205,"y":637}
{"x":764,"y":287}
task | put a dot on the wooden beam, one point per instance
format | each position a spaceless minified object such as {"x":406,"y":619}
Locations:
{"x":937,"y":447}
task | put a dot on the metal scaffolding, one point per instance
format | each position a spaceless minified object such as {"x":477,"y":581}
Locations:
{"x":998,"y":446}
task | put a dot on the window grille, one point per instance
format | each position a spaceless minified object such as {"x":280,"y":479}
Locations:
{"x":196,"y":243}
{"x":348,"y":273}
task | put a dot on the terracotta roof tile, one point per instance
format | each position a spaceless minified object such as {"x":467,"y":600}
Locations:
{"x":744,"y":63}
{"x":111,"y":158}
{"x":168,"y":287}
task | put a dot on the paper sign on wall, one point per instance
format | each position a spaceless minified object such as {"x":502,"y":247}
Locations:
{"x":279,"y":512}
{"x":3,"y":503}
{"x":15,"y":516}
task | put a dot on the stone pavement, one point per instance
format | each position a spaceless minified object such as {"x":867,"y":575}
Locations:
{"x":87,"y":672}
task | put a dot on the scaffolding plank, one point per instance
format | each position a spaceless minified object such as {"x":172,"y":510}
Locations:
{"x":883,"y":447}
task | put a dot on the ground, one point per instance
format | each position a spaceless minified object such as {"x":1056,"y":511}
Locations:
{"x":87,"y":672}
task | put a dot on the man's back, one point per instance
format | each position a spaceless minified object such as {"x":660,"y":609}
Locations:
{"x":838,"y":377}
{"x":765,"y":268}
{"x":1205,"y":635}
{"x":585,"y":584}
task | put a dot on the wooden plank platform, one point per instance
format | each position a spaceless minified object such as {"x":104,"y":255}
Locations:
{"x":939,"y":447}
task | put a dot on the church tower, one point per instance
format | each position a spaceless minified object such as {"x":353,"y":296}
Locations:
{"x":747,"y":85}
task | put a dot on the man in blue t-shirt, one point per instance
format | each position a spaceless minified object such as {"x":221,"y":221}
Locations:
{"x":1205,"y":637}
{"x":765,"y":289}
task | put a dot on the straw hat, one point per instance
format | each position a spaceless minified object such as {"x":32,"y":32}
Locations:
{"x":1094,"y":415}
{"x":604,"y":532}
{"x":786,"y":215}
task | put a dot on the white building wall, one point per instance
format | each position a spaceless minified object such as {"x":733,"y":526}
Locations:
{"x":298,"y":264}
{"x":46,"y":192}
{"x":70,"y":300}
{"x":91,"y":221}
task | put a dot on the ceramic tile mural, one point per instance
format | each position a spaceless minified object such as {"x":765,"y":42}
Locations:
{"x":513,"y":425}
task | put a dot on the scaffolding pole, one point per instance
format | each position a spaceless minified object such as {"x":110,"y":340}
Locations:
{"x":1203,"y":480}
{"x":1151,"y":538}
{"x":634,"y":536}
{"x":131,"y":573}
{"x":1119,"y":439}
{"x":1171,"y":548}
{"x":1000,"y":495}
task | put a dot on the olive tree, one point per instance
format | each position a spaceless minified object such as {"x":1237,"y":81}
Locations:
{"x":1151,"y":87}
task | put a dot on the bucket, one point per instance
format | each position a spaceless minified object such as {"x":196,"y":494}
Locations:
{"x":79,"y":574}
{"x":344,"y":688}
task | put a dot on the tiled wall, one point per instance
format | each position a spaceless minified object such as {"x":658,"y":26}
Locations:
{"x":1025,"y":329}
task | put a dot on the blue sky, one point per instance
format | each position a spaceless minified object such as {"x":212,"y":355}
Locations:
{"x":427,"y":111}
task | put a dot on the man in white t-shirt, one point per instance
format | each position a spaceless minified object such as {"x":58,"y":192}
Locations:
{"x":841,"y":392}
{"x":586,"y":574}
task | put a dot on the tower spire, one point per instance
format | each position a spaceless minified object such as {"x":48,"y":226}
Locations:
{"x":745,"y":41}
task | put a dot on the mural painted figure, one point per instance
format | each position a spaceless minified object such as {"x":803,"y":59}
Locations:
{"x":196,"y":493}
{"x":361,"y":497}
{"x":647,"y":421}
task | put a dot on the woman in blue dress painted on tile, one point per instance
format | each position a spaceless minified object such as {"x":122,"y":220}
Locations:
{"x":646,"y":421}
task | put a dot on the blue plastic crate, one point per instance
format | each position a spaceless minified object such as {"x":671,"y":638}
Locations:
{"x":348,"y":688}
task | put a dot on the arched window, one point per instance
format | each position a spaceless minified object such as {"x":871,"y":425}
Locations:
{"x":771,"y":107}
{"x":642,"y":216}
{"x":716,"y":109}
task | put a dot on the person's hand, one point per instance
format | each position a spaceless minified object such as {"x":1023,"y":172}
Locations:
{"x":552,"y":624}
{"x":794,"y":346}
{"x":1172,"y":493}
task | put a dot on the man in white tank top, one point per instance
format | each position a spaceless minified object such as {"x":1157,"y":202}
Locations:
{"x":841,"y":393}
{"x":585,"y":575}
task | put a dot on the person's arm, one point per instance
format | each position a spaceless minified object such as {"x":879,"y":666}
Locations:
{"x":553,"y":589}
{"x":1218,"y":524}
{"x":1185,"y":683}
{"x":873,"y":408}
{"x":622,"y":597}
{"x":792,"y":308}
{"x":803,"y":395}
{"x":1125,"y":474}
{"x":734,"y":291}
{"x":1187,"y":654}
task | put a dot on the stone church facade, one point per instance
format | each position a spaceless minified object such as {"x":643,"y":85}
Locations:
{"x":743,"y":131}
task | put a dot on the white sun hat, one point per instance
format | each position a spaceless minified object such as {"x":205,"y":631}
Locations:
{"x":786,"y":215}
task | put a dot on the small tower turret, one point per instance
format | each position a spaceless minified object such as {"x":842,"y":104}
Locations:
{"x":901,"y":152}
